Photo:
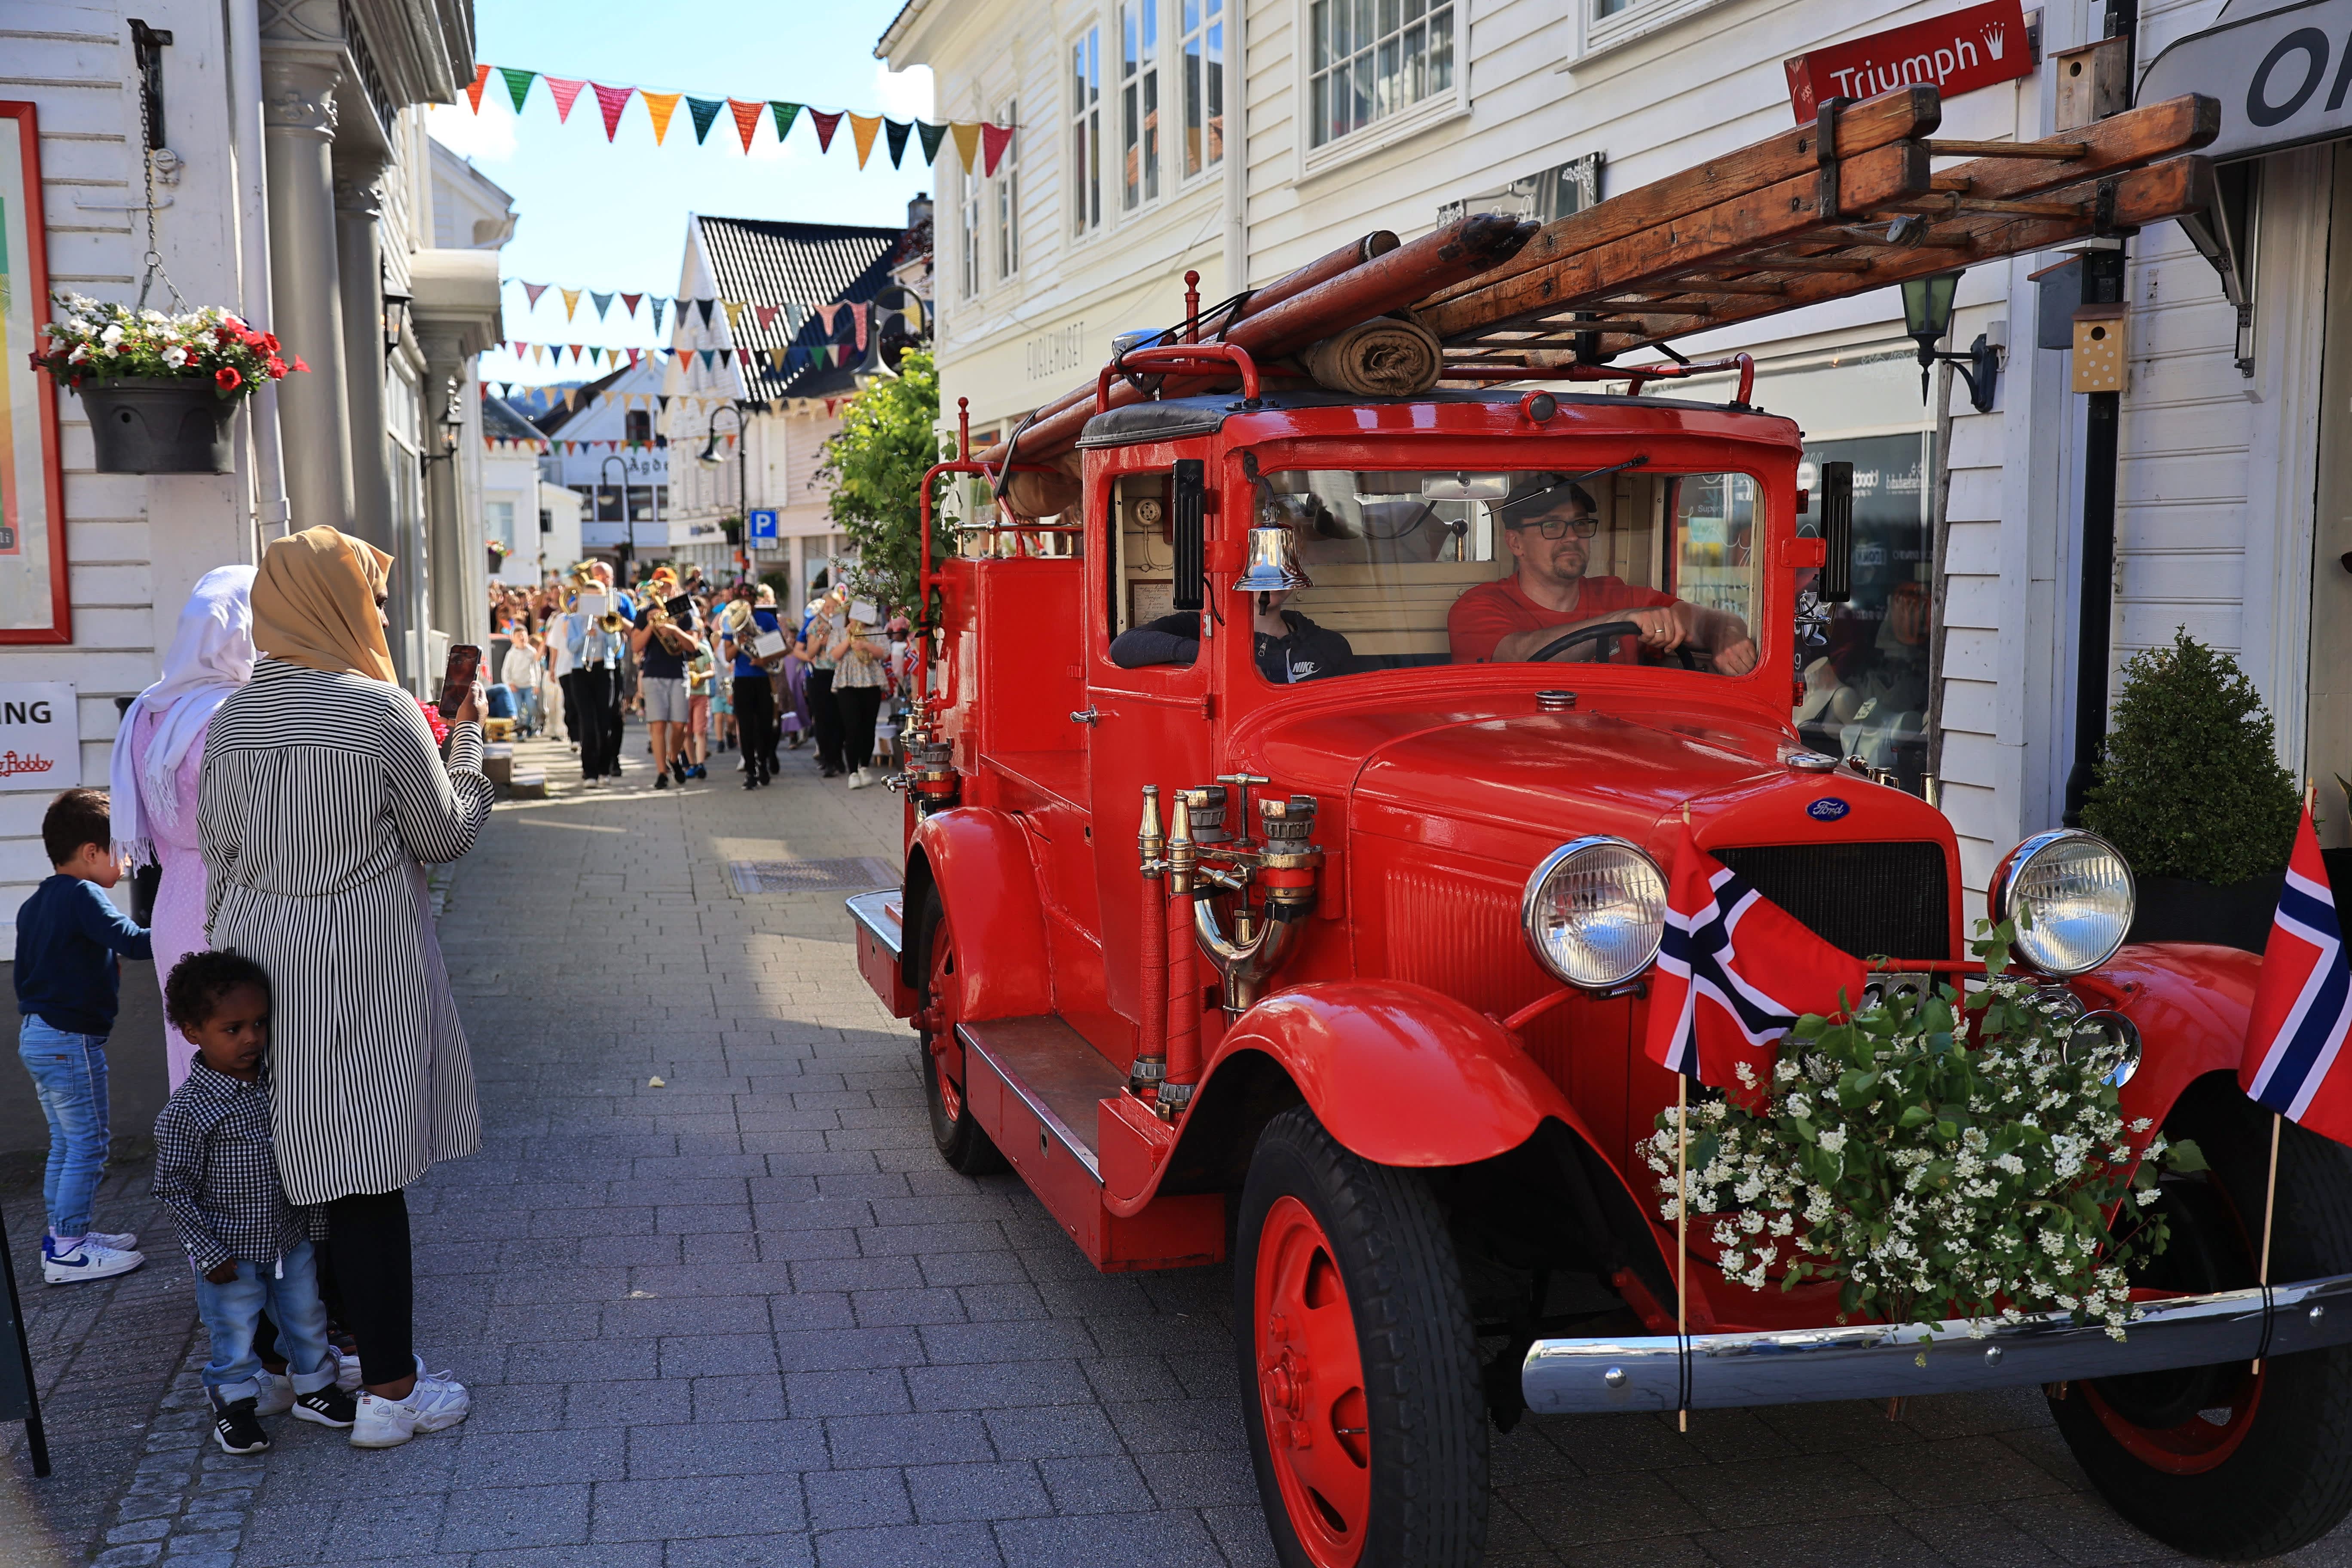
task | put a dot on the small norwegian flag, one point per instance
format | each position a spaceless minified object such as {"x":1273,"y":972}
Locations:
{"x":1734,"y":973}
{"x":2294,"y":1060}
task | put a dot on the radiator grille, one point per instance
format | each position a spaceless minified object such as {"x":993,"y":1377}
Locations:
{"x":1867,"y":898}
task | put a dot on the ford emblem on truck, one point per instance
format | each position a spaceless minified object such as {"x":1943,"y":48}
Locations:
{"x":1829,"y":808}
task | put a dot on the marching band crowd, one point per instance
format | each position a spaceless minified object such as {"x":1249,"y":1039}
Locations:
{"x":711,"y":669}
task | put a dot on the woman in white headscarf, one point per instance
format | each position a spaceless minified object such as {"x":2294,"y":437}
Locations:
{"x":159,"y":763}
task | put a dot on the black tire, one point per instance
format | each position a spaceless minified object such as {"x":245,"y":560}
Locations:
{"x":1424,"y":1450}
{"x":2287,"y":1479}
{"x":962,"y":1142}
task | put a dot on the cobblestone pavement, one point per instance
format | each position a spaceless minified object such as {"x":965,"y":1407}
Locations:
{"x":720,"y":1304}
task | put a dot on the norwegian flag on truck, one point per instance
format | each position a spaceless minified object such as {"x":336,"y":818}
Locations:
{"x":1735,"y":972}
{"x":2301,"y":1015}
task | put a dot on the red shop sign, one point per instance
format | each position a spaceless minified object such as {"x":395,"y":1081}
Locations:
{"x":1959,"y":52}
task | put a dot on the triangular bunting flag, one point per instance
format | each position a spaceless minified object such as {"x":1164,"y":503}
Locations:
{"x":603,"y":302}
{"x":474,"y":92}
{"x":629,"y":302}
{"x":704,"y":306}
{"x":826,"y":125}
{"x":747,"y":117}
{"x":539,"y":353}
{"x":661,"y":401}
{"x":766,"y":316}
{"x":994,"y":141}
{"x":533,"y":291}
{"x":661,"y":106}
{"x":518,"y":84}
{"x":660,"y":302}
{"x":577,"y":354}
{"x":785,"y":114}
{"x":862,"y":128}
{"x":612,"y":101}
{"x":633,"y":362}
{"x":932,"y":135}
{"x":726,"y":356}
{"x":857,"y":314}
{"x":705,"y":111}
{"x":795,"y":317}
{"x":570,"y":301}
{"x":571,"y":400}
{"x":967,"y":141}
{"x":893,"y":136}
{"x":564,"y":91}
{"x":829,"y":313}
{"x":708,"y":355}
{"x":734,"y":314}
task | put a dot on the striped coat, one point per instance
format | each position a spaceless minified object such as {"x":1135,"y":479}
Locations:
{"x":321,"y":794}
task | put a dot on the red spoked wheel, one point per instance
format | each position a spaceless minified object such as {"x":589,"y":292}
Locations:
{"x":2223,"y":1461}
{"x":1366,"y":1419}
{"x":962,"y":1142}
{"x":1310,"y":1386}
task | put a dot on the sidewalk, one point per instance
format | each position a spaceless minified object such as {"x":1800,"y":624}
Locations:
{"x":743,"y":1316}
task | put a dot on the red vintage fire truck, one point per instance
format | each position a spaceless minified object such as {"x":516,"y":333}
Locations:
{"x":1282,"y":870}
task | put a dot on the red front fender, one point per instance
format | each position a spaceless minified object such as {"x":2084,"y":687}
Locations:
{"x":979,"y":860}
{"x":2190,"y":1000}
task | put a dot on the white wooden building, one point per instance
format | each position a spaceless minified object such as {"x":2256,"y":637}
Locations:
{"x":1243,"y":138}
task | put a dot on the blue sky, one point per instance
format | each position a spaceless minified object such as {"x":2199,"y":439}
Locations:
{"x":613,"y":216}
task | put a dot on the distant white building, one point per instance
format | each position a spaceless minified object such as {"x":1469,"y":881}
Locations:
{"x":755,"y":392}
{"x":531,"y":524}
{"x":606,"y":447}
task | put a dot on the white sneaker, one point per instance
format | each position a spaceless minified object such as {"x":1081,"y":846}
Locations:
{"x":861,"y":778}
{"x":347,"y":1370}
{"x":431,"y":1406}
{"x":277,"y":1393}
{"x":87,"y":1261}
{"x":121,"y":1241}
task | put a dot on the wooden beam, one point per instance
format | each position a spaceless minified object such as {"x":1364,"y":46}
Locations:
{"x":1778,"y":214}
{"x":2126,"y":141}
{"x":1940,"y":148}
{"x":1907,"y":113}
{"x":1940,"y":206}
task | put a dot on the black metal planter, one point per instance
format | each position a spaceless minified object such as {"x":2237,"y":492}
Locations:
{"x":158,"y":424}
{"x":2232,"y":915}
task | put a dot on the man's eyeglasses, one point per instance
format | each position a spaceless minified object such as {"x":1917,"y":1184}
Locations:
{"x":1557,"y":527}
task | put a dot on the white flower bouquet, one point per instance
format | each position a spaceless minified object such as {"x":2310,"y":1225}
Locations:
{"x":1941,"y":1156}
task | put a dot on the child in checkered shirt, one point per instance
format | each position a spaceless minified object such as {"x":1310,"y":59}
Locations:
{"x":216,"y":1169}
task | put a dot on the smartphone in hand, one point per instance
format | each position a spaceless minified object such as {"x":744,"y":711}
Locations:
{"x":458,"y":680}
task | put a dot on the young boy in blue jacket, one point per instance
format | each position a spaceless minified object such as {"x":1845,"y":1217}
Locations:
{"x":70,"y":941}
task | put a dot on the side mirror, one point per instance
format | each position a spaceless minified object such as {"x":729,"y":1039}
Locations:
{"x":1836,"y":586}
{"x":1187,"y":513}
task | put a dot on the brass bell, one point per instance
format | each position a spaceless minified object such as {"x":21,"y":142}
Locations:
{"x":1273,"y":564}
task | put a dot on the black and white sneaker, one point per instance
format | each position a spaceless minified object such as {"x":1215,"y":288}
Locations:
{"x":238,"y":1429}
{"x":329,"y":1406}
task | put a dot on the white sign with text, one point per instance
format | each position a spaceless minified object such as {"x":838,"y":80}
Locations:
{"x":40,"y":736}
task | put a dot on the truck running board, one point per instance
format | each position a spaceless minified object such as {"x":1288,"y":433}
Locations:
{"x":1039,"y":1087}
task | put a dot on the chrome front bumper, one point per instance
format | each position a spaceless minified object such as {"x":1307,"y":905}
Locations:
{"x":1794,"y":1366}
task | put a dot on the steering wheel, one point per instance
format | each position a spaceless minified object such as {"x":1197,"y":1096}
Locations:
{"x":1553,"y":648}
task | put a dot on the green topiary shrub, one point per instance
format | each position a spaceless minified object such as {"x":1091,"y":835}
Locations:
{"x":2191,"y":787}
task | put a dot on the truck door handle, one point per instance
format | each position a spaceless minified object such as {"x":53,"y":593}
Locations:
{"x":1086,"y":716}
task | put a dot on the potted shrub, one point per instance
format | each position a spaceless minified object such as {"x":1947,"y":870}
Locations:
{"x":2192,"y":793}
{"x":159,"y":388}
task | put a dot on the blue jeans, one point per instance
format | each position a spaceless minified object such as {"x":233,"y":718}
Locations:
{"x":232,"y":1311}
{"x":69,"y":1076}
{"x":527,"y":707}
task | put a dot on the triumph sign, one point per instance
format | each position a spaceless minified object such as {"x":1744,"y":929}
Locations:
{"x":2283,"y":78}
{"x":1959,"y":52}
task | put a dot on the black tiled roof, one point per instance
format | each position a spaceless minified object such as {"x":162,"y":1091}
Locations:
{"x":768,"y":262}
{"x":559,"y":415}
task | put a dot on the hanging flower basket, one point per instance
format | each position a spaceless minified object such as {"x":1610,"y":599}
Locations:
{"x":158,"y":388}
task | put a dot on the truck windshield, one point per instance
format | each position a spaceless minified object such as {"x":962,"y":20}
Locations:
{"x":1419,"y":567}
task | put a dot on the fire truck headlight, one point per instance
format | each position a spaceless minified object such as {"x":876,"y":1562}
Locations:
{"x":2071,"y":896}
{"x":1595,"y":910}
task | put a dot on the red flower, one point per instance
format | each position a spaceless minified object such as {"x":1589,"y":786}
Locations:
{"x":269,"y":342}
{"x":299,"y":364}
{"x":277,"y":367}
{"x":228,"y":378}
{"x":434,"y":721}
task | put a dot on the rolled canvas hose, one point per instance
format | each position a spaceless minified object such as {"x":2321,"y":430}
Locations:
{"x":1386,"y":356}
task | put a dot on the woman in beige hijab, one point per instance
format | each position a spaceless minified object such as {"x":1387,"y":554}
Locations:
{"x":323,"y":792}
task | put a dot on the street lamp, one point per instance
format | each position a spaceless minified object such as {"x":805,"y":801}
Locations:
{"x":452,"y":426}
{"x":710,"y":458}
{"x":628,"y":517}
{"x":1928,"y":317}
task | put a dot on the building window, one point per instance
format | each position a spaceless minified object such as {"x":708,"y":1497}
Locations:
{"x":1008,"y":197}
{"x":637,"y":426}
{"x":1373,"y":59}
{"x":1204,"y":84}
{"x":968,"y":232}
{"x":1139,"y":102}
{"x":1086,"y":133}
{"x":497,"y":521}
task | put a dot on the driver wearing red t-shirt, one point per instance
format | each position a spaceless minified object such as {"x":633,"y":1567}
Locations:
{"x":1550,"y":526}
